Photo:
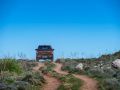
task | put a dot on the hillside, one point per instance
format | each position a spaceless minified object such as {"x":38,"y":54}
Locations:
{"x":99,"y":68}
{"x":68,"y":74}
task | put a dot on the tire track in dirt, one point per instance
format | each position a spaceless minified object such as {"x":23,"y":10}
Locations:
{"x":88,"y":83}
{"x":58,"y":69}
{"x":51,"y":82}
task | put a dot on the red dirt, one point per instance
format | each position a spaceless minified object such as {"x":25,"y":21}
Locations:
{"x":88,"y":83}
{"x":58,"y":69}
{"x":51,"y":82}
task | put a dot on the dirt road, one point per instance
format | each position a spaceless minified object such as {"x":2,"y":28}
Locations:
{"x":89,"y":83}
{"x":51,"y":82}
{"x":58,"y":69}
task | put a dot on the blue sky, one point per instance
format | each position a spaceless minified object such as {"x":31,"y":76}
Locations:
{"x":74,"y":28}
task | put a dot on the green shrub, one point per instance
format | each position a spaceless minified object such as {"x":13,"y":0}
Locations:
{"x":48,"y":68}
{"x":34,"y":78}
{"x":109,"y":84}
{"x":69,"y":82}
{"x":28,"y":65}
{"x":11,"y":65}
{"x":7,"y":77}
{"x":49,"y":65}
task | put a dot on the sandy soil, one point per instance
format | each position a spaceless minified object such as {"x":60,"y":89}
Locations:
{"x":88,"y":83}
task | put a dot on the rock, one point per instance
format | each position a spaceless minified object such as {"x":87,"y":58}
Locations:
{"x":79,"y":66}
{"x":95,"y":66}
{"x":3,"y":86}
{"x":116,"y":64}
{"x":108,"y":67}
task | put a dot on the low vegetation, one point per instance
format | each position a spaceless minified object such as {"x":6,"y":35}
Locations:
{"x":69,"y":82}
{"x":10,"y":65}
{"x":18,"y":75}
{"x":98,"y":68}
{"x":48,"y":68}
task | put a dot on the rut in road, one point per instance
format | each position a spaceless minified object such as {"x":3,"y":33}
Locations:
{"x":51,"y":82}
{"x":88,"y":83}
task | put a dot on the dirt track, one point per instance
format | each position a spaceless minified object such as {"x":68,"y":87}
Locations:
{"x":89,"y":83}
{"x":58,"y":69}
{"x":53,"y":83}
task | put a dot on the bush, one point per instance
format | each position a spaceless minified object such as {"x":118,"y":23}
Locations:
{"x":13,"y":77}
{"x":35,"y":79}
{"x":69,"y":82}
{"x":48,"y":68}
{"x":28,"y":65}
{"x":72,"y":70}
{"x":109,"y":84}
{"x":11,"y":65}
